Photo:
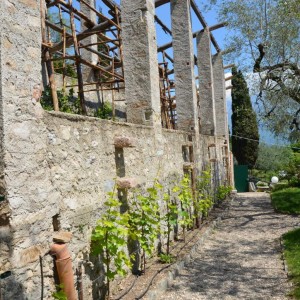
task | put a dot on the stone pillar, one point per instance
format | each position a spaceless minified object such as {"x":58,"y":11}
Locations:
{"x":185,"y":86}
{"x":220,"y":96}
{"x":87,"y":72}
{"x":27,"y":201}
{"x":140,"y":62}
{"x":206,"y":84}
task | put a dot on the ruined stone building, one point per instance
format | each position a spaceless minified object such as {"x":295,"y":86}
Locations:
{"x":57,"y":167}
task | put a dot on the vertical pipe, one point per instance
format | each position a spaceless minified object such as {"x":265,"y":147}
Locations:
{"x":42,"y":279}
{"x":64,"y":268}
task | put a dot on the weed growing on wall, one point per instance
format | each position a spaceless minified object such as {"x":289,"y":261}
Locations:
{"x":104,"y":112}
{"x":68,"y":103}
{"x":109,"y":239}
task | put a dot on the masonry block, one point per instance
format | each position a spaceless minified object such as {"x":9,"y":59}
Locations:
{"x":206,"y":84}
{"x":124,"y":142}
{"x":220,"y":96}
{"x":186,"y":96}
{"x":142,"y":92}
{"x":127,"y":183}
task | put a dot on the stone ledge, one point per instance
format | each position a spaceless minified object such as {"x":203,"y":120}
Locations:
{"x":124,"y":142}
{"x":188,"y":166}
{"x":62,"y":237}
{"x":126,"y":183}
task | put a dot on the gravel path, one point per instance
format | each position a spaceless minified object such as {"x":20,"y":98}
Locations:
{"x":242,"y":258}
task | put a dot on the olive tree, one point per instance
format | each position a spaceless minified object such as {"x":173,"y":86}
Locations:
{"x":264,"y":37}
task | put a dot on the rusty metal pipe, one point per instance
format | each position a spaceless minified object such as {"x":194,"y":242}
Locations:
{"x":64,"y":268}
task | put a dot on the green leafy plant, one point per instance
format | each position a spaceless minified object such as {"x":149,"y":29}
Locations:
{"x":144,"y":219}
{"x":223,"y":191}
{"x":204,"y":192}
{"x":185,"y":196}
{"x":67,"y":102}
{"x":109,"y":239}
{"x":68,"y":71}
{"x":166,"y":258}
{"x":261,"y":183}
{"x":171,"y":217}
{"x":104,"y":112}
{"x":60,"y":294}
{"x":291,"y":241}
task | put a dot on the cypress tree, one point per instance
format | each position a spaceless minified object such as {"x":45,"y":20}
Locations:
{"x":244,"y":122}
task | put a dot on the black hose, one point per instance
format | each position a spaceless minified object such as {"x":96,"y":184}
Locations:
{"x":128,"y":290}
{"x":42,"y":278}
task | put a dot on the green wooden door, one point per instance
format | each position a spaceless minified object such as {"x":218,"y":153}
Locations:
{"x":241,"y":178}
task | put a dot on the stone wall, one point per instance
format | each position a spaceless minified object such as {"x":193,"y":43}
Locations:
{"x":66,"y":183}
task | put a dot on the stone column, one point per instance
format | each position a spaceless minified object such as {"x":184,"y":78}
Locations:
{"x":140,"y":62}
{"x":87,"y":72}
{"x":186,"y":97}
{"x":206,"y":84}
{"x":27,"y":201}
{"x":220,"y":96}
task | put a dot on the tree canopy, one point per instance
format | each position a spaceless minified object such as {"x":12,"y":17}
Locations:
{"x":245,"y":134}
{"x":273,"y":158}
{"x":265,"y":37}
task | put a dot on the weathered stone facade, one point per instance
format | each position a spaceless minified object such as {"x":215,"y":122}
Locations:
{"x":56,"y":168}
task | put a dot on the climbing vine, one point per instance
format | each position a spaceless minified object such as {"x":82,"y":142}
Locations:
{"x":185,"y":196}
{"x":144,"y":219}
{"x":204,"y":195}
{"x":109,"y":239}
{"x":171,"y":219}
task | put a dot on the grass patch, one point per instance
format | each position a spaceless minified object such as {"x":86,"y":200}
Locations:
{"x":287,"y":200}
{"x":291,"y":242}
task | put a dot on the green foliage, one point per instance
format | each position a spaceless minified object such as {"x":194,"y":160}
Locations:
{"x":185,"y":196}
{"x":204,"y":198}
{"x":109,"y":238}
{"x":223,"y":191}
{"x":273,"y":158}
{"x":59,"y":294}
{"x":280,"y":186}
{"x":263,"y":175}
{"x":293,"y":169}
{"x":69,"y":71}
{"x":104,"y":112}
{"x":262,"y":183}
{"x":144,"y":218}
{"x":291,"y":242}
{"x":171,"y":217}
{"x":166,"y":258}
{"x":287,"y":200}
{"x":244,"y":123}
{"x":67,"y":102}
{"x":264,"y":36}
